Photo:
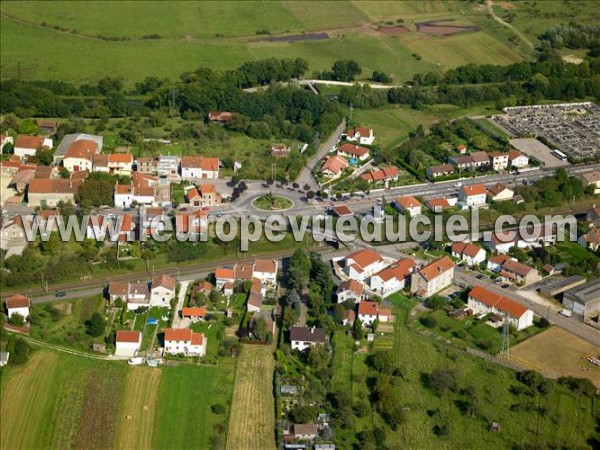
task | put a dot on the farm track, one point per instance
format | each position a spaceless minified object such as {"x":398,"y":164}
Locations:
{"x":490,"y":6}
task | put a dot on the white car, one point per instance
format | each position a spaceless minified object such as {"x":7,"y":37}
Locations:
{"x":566,"y":312}
{"x":457,"y":185}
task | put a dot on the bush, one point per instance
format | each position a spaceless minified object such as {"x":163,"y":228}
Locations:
{"x":428,"y":321}
{"x":581,"y":386}
{"x":441,"y":381}
{"x":218,"y":409}
{"x":95,"y":326}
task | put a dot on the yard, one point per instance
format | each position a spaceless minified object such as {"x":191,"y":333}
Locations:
{"x":252,"y":421}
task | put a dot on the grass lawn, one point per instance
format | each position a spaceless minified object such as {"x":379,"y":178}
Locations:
{"x":211,"y":331}
{"x":252,"y":421}
{"x":272,"y":203}
{"x":343,"y":349}
{"x":60,"y":401}
{"x":212,"y":34}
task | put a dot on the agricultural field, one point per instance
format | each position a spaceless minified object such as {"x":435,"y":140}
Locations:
{"x":101,"y":36}
{"x":252,"y":421}
{"x":558,"y":353}
{"x":569,"y":419}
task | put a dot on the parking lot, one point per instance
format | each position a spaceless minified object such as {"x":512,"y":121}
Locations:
{"x":538,"y":150}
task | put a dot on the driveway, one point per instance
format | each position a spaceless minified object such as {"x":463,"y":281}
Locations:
{"x":180,"y":300}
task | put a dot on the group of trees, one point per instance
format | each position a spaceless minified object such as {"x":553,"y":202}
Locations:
{"x":341,"y":70}
{"x":574,"y":36}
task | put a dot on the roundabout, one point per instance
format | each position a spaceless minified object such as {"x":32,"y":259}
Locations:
{"x":272,"y":202}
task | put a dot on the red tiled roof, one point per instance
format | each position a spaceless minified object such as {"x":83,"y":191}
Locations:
{"x":474,"y":189}
{"x":164,"y":281}
{"x":342,"y":210}
{"x":399,"y":270}
{"x":265,"y":266}
{"x":438,"y":203}
{"x":24,"y":141}
{"x":83,"y":148}
{"x":497,"y":188}
{"x":200,"y":162}
{"x":183,"y":334}
{"x":517,"y":267}
{"x":351,"y":285}
{"x":354,"y":150}
{"x":436,"y":268}
{"x":362,"y":131}
{"x":17,"y":301}
{"x":466,"y":248}
{"x":47,"y":186}
{"x":193,"y":312}
{"x":407,"y":201}
{"x":499,"y":259}
{"x":364,"y":258}
{"x":335,"y":164}
{"x":226,"y":273}
{"x":368,"y":308}
{"x":512,"y":308}
{"x":129,"y":336}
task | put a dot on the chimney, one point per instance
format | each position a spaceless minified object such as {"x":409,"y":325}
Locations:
{"x":70,"y":183}
{"x":312,"y":330}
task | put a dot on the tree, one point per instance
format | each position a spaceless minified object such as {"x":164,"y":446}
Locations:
{"x":345,"y":70}
{"x":17,"y":319}
{"x":66,"y":209}
{"x":436,"y":302}
{"x":259,"y":329}
{"x":19,"y":350}
{"x":441,"y":381}
{"x":357,"y":330}
{"x":381,"y":77}
{"x":44,"y":156}
{"x":302,"y":413}
{"x":95,"y":325}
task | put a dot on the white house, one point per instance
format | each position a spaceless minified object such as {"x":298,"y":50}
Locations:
{"x":499,"y":192}
{"x":334,"y":166}
{"x":18,"y":304}
{"x":142,"y":191}
{"x":482,"y":301}
{"x":199,"y":168}
{"x":502,"y":242}
{"x":80,"y":155}
{"x":499,"y":161}
{"x":136,"y":295}
{"x":28,"y":145}
{"x":361,"y":264}
{"x":162,"y":290}
{"x":472,"y":195}
{"x":471,"y":254}
{"x":167,"y":166}
{"x":408,"y":204}
{"x":495,"y":263}
{"x":184,"y":341}
{"x":353,"y":151}
{"x":517,"y":159}
{"x":302,"y":338}
{"x":393,"y":278}
{"x":261,"y":269}
{"x":128,"y":343}
{"x":592,"y":179}
{"x":266,"y":271}
{"x":350,"y":290}
{"x":433,"y":277}
{"x":362,"y":135}
{"x":114,"y":163}
{"x":367,"y":312}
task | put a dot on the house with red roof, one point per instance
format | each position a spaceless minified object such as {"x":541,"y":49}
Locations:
{"x":519,"y":273}
{"x":433,"y":277}
{"x":591,"y":240}
{"x":440,"y":204}
{"x":199,"y":168}
{"x":342,"y":211}
{"x":28,"y":145}
{"x":220,"y":116}
{"x":408,"y":204}
{"x":265,"y":270}
{"x":517,"y":159}
{"x":204,"y":195}
{"x":142,"y":190}
{"x":17,"y":304}
{"x":471,"y":254}
{"x":47,"y":193}
{"x":354,"y":151}
{"x":114,"y":163}
{"x":194,"y":314}
{"x":350,"y":290}
{"x":193,"y":224}
{"x":472,"y":195}
{"x":369,"y":312}
{"x":393,"y":278}
{"x":499,"y":192}
{"x":502,"y":242}
{"x":128,"y":343}
{"x":362,"y":135}
{"x":162,"y":290}
{"x":494,"y":264}
{"x":383,"y":175}
{"x":184,"y":341}
{"x":334,"y":166}
{"x":80,"y":155}
{"x":483,"y":301}
{"x":361,"y":264}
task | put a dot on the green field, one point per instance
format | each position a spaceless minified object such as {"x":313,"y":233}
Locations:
{"x":223,"y":35}
{"x":58,"y":400}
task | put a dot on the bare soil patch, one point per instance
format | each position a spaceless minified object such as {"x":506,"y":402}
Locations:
{"x":443,"y":28}
{"x":393,"y":31}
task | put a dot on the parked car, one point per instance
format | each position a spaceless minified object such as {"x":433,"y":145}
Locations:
{"x":60,"y":294}
{"x":504,"y":286}
{"x":479,"y":277}
{"x":566,"y":312}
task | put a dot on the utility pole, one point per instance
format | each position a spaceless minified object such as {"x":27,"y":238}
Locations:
{"x":505,"y":343}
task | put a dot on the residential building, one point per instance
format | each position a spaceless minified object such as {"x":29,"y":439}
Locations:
{"x":480,"y":159}
{"x":128,"y":343}
{"x":342,"y":211}
{"x":348,"y":317}
{"x":204,"y":195}
{"x":361,"y":264}
{"x":47,"y":193}
{"x":519,"y":273}
{"x":393,"y":278}
{"x":517,"y":159}
{"x":353,"y":151}
{"x":499,"y":192}
{"x":13,"y":240}
{"x":591,"y":240}
{"x":471,"y":254}
{"x":584,"y":300}
{"x":194,"y":224}
{"x":499,"y":161}
{"x":262,"y":269}
{"x":167,"y":166}
{"x":362,"y":135}
{"x":367,"y":312}
{"x":306,"y":431}
{"x":255,"y":296}
{"x":220,"y":116}
{"x":461,"y":162}
{"x":440,"y":170}
{"x":162,"y":290}
{"x":495,"y":263}
{"x":136,"y":295}
{"x":461,"y":148}
{"x":441,"y":204}
{"x":47,"y":126}
{"x":482,"y":301}
{"x":280,"y":150}
{"x":302,"y":338}
{"x":17,"y":304}
{"x":472,"y":195}
{"x":114,"y":163}
{"x":432,"y":278}
{"x":334,"y":166}
{"x":592,"y":179}
{"x":184,"y":341}
{"x":143,"y":190}
{"x":194,"y":314}
{"x":28,"y":145}
{"x":146,"y":165}
{"x":593,"y":216}
{"x":80,"y":154}
{"x":70,"y":139}
{"x":350,"y":290}
{"x":408,"y":205}
{"x":502,"y":242}
{"x":199,"y":168}
{"x":383,"y":175}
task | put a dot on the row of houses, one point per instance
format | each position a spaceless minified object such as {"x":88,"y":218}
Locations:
{"x":177,"y":341}
{"x":494,"y":160}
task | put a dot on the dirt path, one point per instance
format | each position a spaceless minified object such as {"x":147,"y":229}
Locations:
{"x":490,"y":5}
{"x":70,"y":351}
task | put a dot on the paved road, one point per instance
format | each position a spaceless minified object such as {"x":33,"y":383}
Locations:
{"x":306,"y":176}
{"x":349,"y":83}
{"x":572,"y":324}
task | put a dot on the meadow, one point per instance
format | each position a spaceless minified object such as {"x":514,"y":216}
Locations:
{"x":171,"y":38}
{"x":84,"y":403}
{"x":569,"y":419}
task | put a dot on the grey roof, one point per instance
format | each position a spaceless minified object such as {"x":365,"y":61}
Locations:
{"x":586,"y":293}
{"x":307,"y":334}
{"x":70,"y":138}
